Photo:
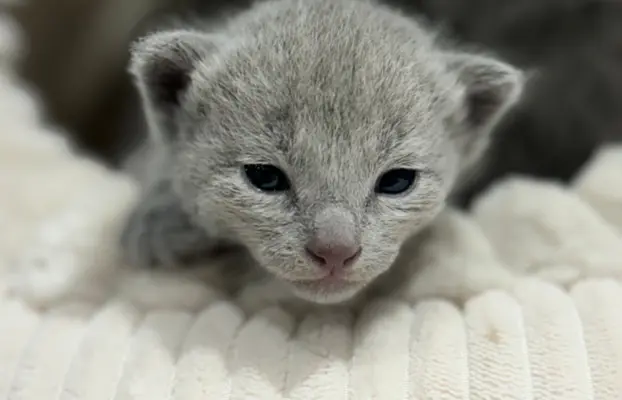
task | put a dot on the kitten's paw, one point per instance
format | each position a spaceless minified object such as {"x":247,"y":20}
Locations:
{"x":160,"y":235}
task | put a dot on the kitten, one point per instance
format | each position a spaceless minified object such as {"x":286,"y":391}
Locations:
{"x":317,"y":134}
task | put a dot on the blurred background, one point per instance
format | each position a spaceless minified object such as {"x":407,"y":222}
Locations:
{"x":77,"y":57}
{"x":78,"y":51}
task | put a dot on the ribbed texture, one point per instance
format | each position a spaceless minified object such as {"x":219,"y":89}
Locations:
{"x":538,"y":342}
{"x":528,"y":299}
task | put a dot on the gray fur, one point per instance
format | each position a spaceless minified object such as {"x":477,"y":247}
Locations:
{"x":334,"y":92}
{"x":162,"y":234}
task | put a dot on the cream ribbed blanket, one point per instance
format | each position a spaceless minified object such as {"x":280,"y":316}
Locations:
{"x":519,"y":300}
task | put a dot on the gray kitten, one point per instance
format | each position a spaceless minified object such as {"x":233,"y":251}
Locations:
{"x":319,"y":134}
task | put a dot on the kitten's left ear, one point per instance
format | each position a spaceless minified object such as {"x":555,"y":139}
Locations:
{"x":491,"y":87}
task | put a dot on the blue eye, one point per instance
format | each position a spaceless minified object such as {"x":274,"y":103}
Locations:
{"x":396,"y":181}
{"x":266,"y":178}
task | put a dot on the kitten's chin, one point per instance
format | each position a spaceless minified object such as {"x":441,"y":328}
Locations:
{"x":326,"y":292}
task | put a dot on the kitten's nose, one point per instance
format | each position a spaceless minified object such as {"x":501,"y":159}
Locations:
{"x":333,"y":256}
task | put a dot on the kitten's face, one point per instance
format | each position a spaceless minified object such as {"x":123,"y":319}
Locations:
{"x":335,"y":152}
{"x":323,"y":136}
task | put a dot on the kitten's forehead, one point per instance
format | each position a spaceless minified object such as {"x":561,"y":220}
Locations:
{"x":327,"y":81}
{"x":335,"y":55}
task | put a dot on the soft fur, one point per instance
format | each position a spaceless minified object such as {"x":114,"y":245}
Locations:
{"x":335,"y":93}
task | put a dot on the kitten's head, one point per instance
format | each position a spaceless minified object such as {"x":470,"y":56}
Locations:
{"x":322,"y":133}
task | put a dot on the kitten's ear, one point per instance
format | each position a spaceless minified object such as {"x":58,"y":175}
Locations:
{"x":162,"y":64}
{"x":491,"y":87}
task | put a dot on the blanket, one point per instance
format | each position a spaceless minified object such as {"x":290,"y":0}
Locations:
{"x":518,"y":299}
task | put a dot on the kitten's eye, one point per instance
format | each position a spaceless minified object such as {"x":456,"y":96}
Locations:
{"x":267,"y":178}
{"x":396,"y":181}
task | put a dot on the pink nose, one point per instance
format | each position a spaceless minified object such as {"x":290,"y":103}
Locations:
{"x":332,"y":255}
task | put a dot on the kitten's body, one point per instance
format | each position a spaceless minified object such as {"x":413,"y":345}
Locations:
{"x":339,"y":95}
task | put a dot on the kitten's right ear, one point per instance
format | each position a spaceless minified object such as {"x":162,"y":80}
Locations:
{"x":491,"y":86}
{"x":162,"y":64}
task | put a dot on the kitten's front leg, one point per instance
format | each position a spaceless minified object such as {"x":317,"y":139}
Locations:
{"x":159,"y":233}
